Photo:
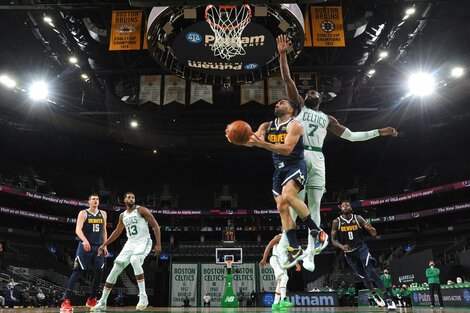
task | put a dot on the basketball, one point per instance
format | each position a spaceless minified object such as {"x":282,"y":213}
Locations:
{"x":238,"y":132}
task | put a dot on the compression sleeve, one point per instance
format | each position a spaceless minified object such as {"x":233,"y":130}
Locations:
{"x":359,"y":136}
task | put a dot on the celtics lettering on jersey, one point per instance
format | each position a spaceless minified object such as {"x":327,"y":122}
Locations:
{"x":136,"y":226}
{"x":315,"y":125}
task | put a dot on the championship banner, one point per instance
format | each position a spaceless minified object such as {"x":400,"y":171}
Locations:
{"x":276,"y":89}
{"x":324,"y":27}
{"x":150,"y":86}
{"x":252,"y":92}
{"x":244,"y":278}
{"x":174,"y":90}
{"x":183,"y":284}
{"x":267,"y":279}
{"x":305,"y":82}
{"x":213,"y":282}
{"x":201,"y":92}
{"x":125,"y":30}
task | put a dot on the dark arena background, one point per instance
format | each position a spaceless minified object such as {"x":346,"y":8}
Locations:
{"x":108,"y":97}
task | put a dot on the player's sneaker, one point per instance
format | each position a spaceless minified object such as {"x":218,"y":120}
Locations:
{"x":286,"y":304}
{"x":308,"y":263}
{"x":100,"y":306}
{"x":65,"y":306}
{"x":91,"y":302}
{"x":321,"y":239}
{"x":294,"y":256}
{"x":275,"y":307}
{"x":380,"y":302}
{"x":143,"y":302}
{"x":391,"y":305}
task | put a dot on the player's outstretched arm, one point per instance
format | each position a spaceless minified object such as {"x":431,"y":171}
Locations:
{"x":341,"y":131}
{"x":105,"y":231}
{"x":291,"y":88}
{"x":116,"y":233}
{"x":155,"y":227}
{"x":268,"y":248}
{"x":367,"y":226}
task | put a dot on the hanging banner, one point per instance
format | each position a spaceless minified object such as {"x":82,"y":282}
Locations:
{"x":327,"y":22}
{"x":276,"y":89}
{"x":175,"y":89}
{"x":183,"y":284}
{"x":252,"y":92}
{"x":201,"y":92}
{"x":213,"y":282}
{"x":150,"y":86}
{"x":125,"y":30}
{"x":145,"y":44}
{"x":267,"y":279}
{"x":305,"y":82}
{"x":244,"y":278}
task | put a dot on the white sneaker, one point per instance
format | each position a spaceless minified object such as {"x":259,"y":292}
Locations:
{"x":100,"y":306}
{"x":380,"y":302}
{"x":321,"y":241}
{"x":143,"y":302}
{"x":309,"y":261}
{"x":391,"y":305}
{"x":294,"y":257}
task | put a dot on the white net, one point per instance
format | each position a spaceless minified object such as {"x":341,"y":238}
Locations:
{"x":228,"y":23}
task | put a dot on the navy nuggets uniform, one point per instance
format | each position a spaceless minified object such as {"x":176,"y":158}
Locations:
{"x":93,"y":230}
{"x":359,"y":257}
{"x":287,"y":167}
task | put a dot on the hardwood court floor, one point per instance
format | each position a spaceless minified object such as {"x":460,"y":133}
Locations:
{"x":245,"y":310}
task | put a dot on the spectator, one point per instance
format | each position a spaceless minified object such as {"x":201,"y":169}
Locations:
{"x":459,"y":280}
{"x":41,"y":298}
{"x":11,"y":299}
{"x":253,"y":298}
{"x":450,"y":282}
{"x":54,"y":299}
{"x":405,"y":296}
{"x":341,"y":295}
{"x":351,"y":294}
{"x":12,"y":284}
{"x":432,"y":273}
{"x":26,"y":297}
{"x":207,"y":300}
{"x":396,"y":295}
{"x":386,"y":278}
{"x":186,"y":302}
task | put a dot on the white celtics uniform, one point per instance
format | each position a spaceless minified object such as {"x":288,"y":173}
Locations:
{"x":138,"y":241}
{"x":275,"y":261}
{"x":315,"y":124}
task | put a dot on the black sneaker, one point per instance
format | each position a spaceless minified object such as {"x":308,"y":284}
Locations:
{"x":294,"y":256}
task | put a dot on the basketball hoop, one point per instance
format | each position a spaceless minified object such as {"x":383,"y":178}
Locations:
{"x":227,"y":23}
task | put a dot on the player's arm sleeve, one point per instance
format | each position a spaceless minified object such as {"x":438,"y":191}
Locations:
{"x":341,"y":131}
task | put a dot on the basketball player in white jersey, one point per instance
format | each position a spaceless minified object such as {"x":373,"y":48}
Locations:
{"x":315,"y":126}
{"x":136,"y":220}
{"x":277,"y":259}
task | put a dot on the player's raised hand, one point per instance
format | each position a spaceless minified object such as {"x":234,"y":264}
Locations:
{"x":388,"y":131}
{"x":282,"y":43}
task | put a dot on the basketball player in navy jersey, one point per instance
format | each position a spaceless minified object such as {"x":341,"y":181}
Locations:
{"x":283,"y":137}
{"x":91,"y":229}
{"x":346,"y":234}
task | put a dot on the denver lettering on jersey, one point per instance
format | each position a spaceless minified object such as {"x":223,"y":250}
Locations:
{"x":349,"y":228}
{"x":277,"y":138}
{"x":95,"y":220}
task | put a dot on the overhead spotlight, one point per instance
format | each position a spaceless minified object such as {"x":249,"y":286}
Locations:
{"x":39,"y":91}
{"x":73,"y":60}
{"x":410,"y":11}
{"x":457,"y":72}
{"x":85,"y":76}
{"x":155,"y":151}
{"x":421,"y":84}
{"x":405,"y":17}
{"x":371,"y":72}
{"x":134,"y":124}
{"x":7,"y":81}
{"x":383,"y":54}
{"x":47,"y":19}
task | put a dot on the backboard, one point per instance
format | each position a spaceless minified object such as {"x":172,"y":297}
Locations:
{"x":182,"y":39}
{"x":223,"y":254}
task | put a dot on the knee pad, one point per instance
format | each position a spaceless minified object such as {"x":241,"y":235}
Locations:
{"x":136,"y":262}
{"x":113,"y":275}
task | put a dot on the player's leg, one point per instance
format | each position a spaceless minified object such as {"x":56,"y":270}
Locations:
{"x":276,"y":266}
{"x":137,"y":260}
{"x":97,"y":277}
{"x":78,"y":265}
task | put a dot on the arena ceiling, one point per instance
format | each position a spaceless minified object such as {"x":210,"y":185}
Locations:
{"x":434,"y":39}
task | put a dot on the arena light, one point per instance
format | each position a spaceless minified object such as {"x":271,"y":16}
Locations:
{"x":47,"y":19}
{"x":73,"y":60}
{"x":457,"y":72}
{"x":85,"y":76}
{"x":38,"y":91}
{"x":383,"y":54}
{"x":134,"y":124}
{"x":410,"y":11}
{"x":421,"y":84}
{"x":7,"y":81}
{"x":371,"y":72}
